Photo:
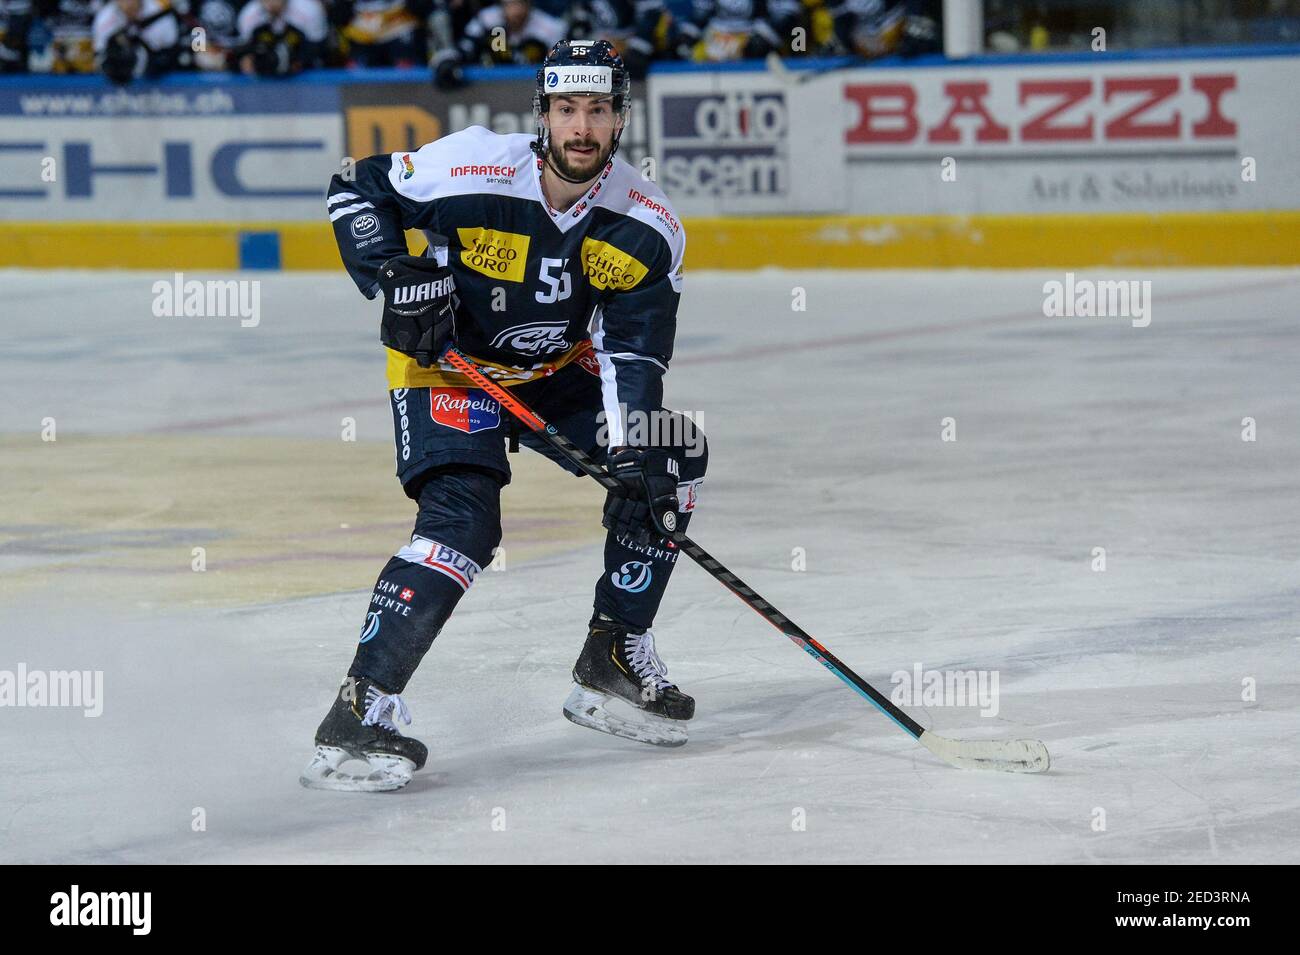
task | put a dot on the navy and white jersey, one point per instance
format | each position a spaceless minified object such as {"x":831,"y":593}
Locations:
{"x":628,"y":24}
{"x":534,"y":283}
{"x":15,"y":24}
{"x":305,"y":16}
{"x":218,"y":19}
{"x":869,"y":27}
{"x":539,"y":33}
{"x":769,"y":18}
{"x":156,"y":32}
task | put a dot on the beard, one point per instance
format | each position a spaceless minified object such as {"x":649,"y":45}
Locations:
{"x":575,"y":166}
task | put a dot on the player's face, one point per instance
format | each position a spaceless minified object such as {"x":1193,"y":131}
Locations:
{"x":582,"y":133}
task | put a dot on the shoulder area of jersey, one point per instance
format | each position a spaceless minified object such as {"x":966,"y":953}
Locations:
{"x":640,"y":198}
{"x":473,"y":152}
{"x":474,"y":141}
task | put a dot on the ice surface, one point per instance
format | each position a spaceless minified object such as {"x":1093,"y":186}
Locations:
{"x":824,"y":428}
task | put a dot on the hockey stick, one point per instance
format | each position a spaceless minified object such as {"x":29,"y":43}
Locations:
{"x":1012,"y":756}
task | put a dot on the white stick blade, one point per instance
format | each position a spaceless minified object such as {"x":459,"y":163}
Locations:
{"x":1004,"y":756}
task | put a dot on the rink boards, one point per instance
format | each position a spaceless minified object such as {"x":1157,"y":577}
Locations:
{"x":1153,"y":159}
{"x":846,"y":242}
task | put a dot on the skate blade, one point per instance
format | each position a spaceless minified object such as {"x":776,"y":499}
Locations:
{"x":387,"y":772}
{"x":591,"y":709}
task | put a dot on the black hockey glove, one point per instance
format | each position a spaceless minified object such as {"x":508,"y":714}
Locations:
{"x":419,"y":316}
{"x":648,"y":501}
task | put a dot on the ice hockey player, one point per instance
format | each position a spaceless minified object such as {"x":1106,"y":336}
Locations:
{"x":558,"y":268}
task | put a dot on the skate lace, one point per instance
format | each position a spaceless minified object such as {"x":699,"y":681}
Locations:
{"x":380,"y":707}
{"x":645,"y":662}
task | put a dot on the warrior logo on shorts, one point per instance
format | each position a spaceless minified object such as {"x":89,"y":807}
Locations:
{"x":465,"y":409}
{"x":633,"y":577}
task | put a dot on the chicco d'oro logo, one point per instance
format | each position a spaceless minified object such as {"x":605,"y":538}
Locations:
{"x":609,"y":267}
{"x":633,"y":577}
{"x":496,"y":254}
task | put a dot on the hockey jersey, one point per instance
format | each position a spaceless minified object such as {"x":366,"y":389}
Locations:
{"x":534,"y":284}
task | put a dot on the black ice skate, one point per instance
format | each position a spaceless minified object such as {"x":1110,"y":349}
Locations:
{"x":359,"y":726}
{"x":622,"y":688}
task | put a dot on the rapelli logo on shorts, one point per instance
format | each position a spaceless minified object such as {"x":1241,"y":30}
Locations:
{"x":537,"y":338}
{"x":465,"y":409}
{"x":609,"y":267}
{"x":445,"y":560}
{"x":496,"y":254}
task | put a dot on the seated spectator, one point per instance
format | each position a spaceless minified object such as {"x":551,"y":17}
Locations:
{"x":875,"y":28}
{"x":640,"y":30}
{"x":511,"y":32}
{"x":280,"y":37}
{"x":135,"y":38}
{"x":383,"y":32}
{"x":738,"y":29}
{"x":15,"y":22}
{"x":457,"y":14}
{"x":214,"y":33}
{"x":70,"y":23}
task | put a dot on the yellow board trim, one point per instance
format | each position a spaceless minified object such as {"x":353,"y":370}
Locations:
{"x":995,"y":241}
{"x":798,"y":242}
